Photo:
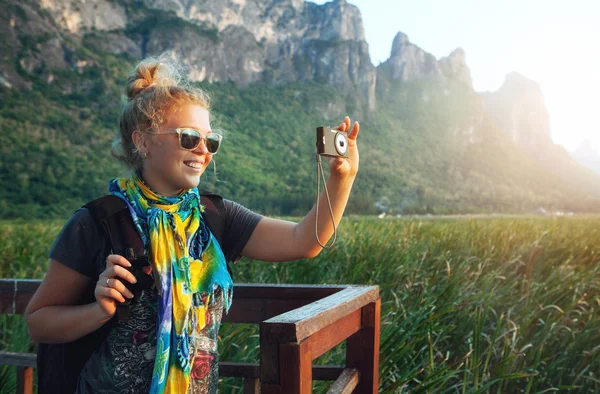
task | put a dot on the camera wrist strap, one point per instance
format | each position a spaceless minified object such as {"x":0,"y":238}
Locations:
{"x":321,"y":175}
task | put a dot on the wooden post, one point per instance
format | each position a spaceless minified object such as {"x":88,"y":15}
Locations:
{"x":24,"y":380}
{"x":362,"y":349}
{"x":269,"y":363}
{"x":295,"y":368}
{"x":251,"y":386}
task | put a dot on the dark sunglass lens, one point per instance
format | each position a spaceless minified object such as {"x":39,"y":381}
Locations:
{"x":190,"y":139}
{"x":212,"y":143}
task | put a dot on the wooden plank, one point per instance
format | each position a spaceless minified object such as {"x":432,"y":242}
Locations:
{"x":295,"y":366}
{"x":284,"y":291}
{"x":252,"y":371}
{"x":257,"y":310}
{"x":330,"y":336}
{"x":226,"y":368}
{"x":346,"y":383}
{"x":327,"y":372}
{"x":269,"y":360}
{"x":255,"y":303}
{"x":270,"y":389}
{"x":362,"y":349}
{"x":251,"y":386}
{"x":239,"y":370}
{"x":15,"y":294}
{"x":24,"y":380}
{"x":18,"y":359}
{"x":299,"y":324}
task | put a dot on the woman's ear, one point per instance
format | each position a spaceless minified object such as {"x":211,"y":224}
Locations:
{"x":140,"y":141}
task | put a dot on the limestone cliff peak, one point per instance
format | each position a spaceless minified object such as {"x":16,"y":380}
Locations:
{"x":400,"y":40}
{"x":518,"y":107}
{"x":455,"y":66}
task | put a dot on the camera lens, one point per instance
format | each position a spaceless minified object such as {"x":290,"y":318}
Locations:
{"x":341,"y":145}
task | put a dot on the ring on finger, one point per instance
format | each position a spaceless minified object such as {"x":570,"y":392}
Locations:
{"x":107,"y":279}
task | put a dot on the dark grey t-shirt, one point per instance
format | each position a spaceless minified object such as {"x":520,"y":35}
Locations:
{"x":124,"y":362}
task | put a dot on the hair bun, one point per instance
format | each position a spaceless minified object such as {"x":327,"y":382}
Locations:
{"x":153,"y":71}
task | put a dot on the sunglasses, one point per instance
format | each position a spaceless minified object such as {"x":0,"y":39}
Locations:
{"x":190,"y":139}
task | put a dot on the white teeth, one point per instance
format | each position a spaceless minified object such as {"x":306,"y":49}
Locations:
{"x":193,"y":164}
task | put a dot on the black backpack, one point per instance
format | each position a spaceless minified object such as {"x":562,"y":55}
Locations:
{"x":59,"y":365}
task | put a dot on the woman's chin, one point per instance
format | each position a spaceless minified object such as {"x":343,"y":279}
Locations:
{"x":191,"y":181}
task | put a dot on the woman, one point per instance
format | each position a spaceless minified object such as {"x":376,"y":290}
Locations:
{"x":170,"y":342}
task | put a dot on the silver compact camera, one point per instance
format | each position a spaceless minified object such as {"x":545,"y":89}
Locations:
{"x":332,"y":142}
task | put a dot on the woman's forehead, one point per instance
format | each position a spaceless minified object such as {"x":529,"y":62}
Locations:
{"x":189,"y":115}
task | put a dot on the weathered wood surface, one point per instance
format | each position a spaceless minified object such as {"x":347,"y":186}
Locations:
{"x":254,"y":303}
{"x":24,"y":380}
{"x":269,"y":360}
{"x":252,"y":371}
{"x":239,"y":370}
{"x":346,"y":383}
{"x":18,"y":359}
{"x":257,"y":310}
{"x":362,"y":349}
{"x":251,"y":386}
{"x":15,"y":294}
{"x":299,"y":324}
{"x":283,"y":291}
{"x":324,"y":340}
{"x":295,"y":365}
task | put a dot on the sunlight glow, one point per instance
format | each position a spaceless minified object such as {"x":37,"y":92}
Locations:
{"x":553,"y":43}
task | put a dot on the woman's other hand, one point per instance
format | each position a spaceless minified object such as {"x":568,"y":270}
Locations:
{"x":346,"y":167}
{"x":110,"y":289}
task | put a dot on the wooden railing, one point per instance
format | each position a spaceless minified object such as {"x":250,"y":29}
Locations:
{"x":298,"y":323}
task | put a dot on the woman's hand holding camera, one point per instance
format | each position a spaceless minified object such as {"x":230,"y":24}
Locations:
{"x":346,"y":167}
{"x":110,"y":288}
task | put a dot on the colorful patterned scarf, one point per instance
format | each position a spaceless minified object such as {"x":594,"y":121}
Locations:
{"x":187,"y":263}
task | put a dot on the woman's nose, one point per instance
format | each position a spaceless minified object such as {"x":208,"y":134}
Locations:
{"x":201,"y":149}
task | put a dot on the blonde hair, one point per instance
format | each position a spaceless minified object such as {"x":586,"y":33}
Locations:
{"x":154,"y":90}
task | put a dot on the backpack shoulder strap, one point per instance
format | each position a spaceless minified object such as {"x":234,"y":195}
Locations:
{"x":112,"y":216}
{"x":105,"y":206}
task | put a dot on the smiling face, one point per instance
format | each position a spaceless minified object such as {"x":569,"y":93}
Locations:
{"x":167,"y":167}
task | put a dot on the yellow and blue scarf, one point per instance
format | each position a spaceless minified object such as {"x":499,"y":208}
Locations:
{"x":187,"y":261}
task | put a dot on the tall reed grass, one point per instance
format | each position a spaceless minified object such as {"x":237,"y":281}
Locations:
{"x":487,"y":305}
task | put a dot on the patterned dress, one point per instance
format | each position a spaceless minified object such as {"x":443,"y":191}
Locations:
{"x":124,"y":362}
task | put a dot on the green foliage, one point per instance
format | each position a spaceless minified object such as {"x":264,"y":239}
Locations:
{"x":498,"y":305}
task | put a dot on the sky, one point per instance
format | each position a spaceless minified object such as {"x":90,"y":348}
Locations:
{"x":555,"y":43}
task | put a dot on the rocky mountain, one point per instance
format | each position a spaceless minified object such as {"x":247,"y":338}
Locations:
{"x":408,"y":62}
{"x":277,"y":69}
{"x":519,"y":109}
{"x":277,"y":42}
{"x":518,"y":106}
{"x":587,"y":156}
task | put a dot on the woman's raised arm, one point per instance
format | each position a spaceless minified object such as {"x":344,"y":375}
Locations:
{"x":280,"y":240}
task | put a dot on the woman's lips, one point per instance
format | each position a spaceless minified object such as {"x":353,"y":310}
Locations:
{"x":193,"y":164}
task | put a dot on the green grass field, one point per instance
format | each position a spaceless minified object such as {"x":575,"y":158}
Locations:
{"x":486,"y":305}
